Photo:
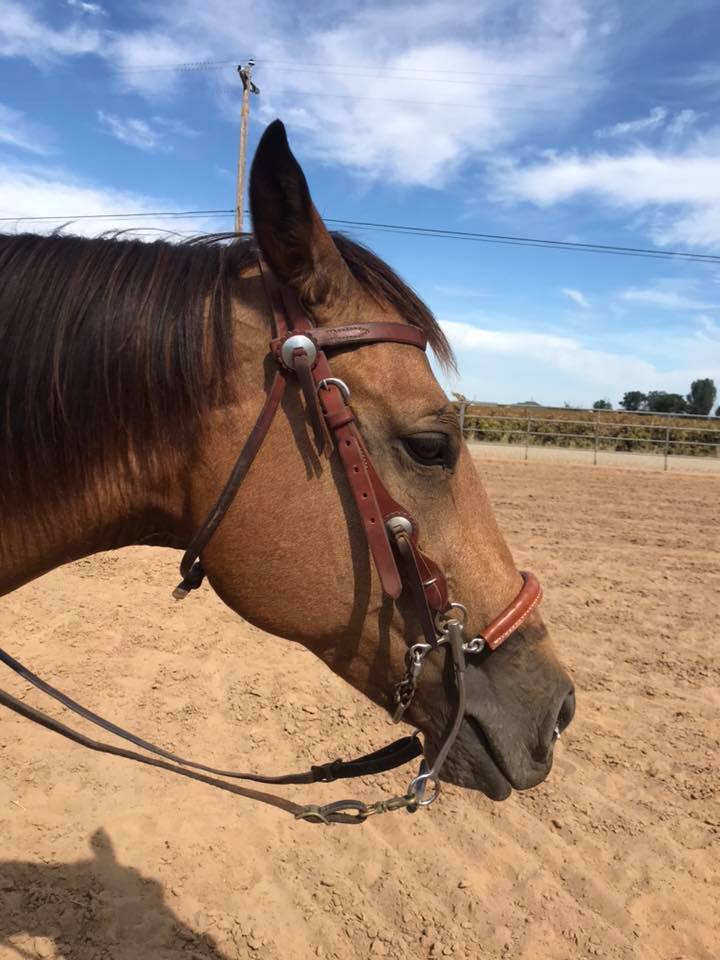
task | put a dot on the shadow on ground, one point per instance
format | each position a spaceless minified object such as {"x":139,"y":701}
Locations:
{"x":92,"y":909}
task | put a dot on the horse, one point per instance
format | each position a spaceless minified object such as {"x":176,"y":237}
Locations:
{"x":132,"y":372}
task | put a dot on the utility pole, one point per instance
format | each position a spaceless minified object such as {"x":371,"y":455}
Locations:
{"x":245,"y":73}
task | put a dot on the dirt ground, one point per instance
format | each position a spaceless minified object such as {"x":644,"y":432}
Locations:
{"x":616,"y":856}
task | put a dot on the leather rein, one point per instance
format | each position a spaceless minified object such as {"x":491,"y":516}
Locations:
{"x":299,"y":350}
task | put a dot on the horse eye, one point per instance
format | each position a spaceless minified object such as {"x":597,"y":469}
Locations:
{"x":429,"y":448}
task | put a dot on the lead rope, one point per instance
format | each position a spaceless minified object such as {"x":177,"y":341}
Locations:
{"x":387,"y":758}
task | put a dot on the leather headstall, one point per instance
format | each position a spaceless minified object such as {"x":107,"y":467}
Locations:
{"x":300,"y":352}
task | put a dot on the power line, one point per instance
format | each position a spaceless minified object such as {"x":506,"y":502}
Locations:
{"x":429,"y":103}
{"x":179,"y":67}
{"x":117,"y":216}
{"x":363,"y":72}
{"x":405,"y":229}
{"x":384,"y":75}
{"x":432,"y":70}
{"x":538,"y":242}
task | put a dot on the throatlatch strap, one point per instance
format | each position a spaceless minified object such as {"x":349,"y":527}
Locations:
{"x":192,"y":572}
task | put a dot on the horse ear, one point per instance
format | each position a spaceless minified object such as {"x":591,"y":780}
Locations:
{"x":289,"y":231}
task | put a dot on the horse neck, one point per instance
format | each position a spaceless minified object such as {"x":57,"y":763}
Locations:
{"x":37,"y":537}
{"x":157,"y":504}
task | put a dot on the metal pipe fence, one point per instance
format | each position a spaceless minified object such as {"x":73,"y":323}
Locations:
{"x":602,"y":434}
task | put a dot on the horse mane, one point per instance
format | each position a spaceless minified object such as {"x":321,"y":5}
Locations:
{"x":111,"y":346}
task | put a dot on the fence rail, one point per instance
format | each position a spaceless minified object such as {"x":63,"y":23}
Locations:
{"x":528,"y":426}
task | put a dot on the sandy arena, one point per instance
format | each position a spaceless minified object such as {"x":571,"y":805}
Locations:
{"x":617,"y":856}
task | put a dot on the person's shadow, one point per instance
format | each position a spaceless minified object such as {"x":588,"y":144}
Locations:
{"x":94,"y":908}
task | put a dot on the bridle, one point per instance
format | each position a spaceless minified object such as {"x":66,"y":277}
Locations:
{"x":299,"y":351}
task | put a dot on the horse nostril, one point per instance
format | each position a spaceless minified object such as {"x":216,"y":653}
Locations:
{"x":567,"y":712}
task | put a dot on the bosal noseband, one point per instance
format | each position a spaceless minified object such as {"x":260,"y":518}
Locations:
{"x":300,"y":351}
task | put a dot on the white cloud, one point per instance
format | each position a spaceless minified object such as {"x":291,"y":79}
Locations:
{"x":415,"y":131}
{"x":508,"y":365}
{"x":175,"y":126}
{"x":632,"y":179}
{"x":140,"y":56}
{"x":23,"y":34}
{"x":133,"y":131}
{"x":698,"y":227}
{"x":677,"y":188}
{"x":150,"y":135}
{"x":577,"y":296}
{"x":44,"y":192}
{"x":656,"y":118}
{"x":708,"y":324}
{"x":559,"y":353}
{"x":15,"y":131}
{"x":707,"y":75}
{"x":406,"y":92}
{"x":94,"y":9}
{"x":682,"y":122}
{"x":664,"y":299}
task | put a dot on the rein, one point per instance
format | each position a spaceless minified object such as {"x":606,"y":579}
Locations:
{"x":300,"y":350}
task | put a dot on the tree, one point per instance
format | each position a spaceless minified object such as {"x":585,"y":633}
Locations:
{"x":602,"y":405}
{"x":659,"y":401}
{"x":634,"y":400}
{"x":702,"y":396}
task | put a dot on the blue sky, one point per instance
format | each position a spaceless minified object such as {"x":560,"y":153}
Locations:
{"x":575,"y":120}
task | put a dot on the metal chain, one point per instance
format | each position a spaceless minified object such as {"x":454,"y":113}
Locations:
{"x":405,"y":690}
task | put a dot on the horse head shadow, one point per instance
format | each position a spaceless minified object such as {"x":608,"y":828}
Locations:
{"x":93,"y":908}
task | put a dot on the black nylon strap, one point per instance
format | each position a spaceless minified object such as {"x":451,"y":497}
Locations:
{"x":386,"y":758}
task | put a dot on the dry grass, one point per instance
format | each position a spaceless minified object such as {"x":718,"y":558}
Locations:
{"x":612,"y":430}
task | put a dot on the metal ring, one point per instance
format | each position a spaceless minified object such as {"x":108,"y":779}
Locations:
{"x":419,"y":785}
{"x":419,"y":650}
{"x":444,"y":616}
{"x":476,"y":645}
{"x":340,"y":384}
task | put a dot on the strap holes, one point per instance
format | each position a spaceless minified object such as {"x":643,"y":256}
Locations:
{"x":348,"y":443}
{"x":356,"y":469}
{"x":364,"y":496}
{"x":372,"y":519}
